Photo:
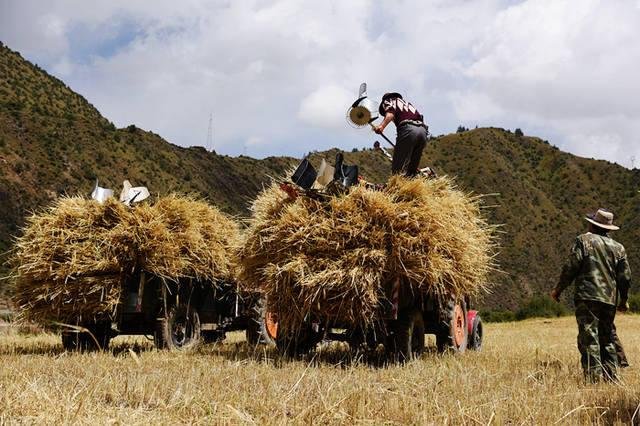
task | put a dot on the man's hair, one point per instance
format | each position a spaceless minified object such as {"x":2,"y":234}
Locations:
{"x":595,"y":229}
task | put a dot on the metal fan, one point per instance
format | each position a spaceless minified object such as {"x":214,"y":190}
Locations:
{"x":364,"y":111}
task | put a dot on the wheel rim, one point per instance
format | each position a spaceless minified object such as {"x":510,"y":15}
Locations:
{"x":458,"y":325}
{"x":181,"y":330}
{"x":271,"y":323}
{"x":477,"y":337}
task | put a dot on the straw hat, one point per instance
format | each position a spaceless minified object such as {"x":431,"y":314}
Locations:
{"x":603,"y":219}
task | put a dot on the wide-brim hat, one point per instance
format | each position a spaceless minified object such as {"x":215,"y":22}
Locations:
{"x":602,"y":219}
{"x":386,"y":96}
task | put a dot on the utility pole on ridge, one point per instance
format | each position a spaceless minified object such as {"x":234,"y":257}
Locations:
{"x":210,"y":133}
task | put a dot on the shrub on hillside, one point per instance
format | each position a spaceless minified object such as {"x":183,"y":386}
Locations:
{"x":541,"y":307}
{"x":634,"y":303}
{"x":494,"y":315}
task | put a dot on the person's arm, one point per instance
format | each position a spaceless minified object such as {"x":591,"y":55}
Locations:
{"x":623,"y":280}
{"x":388,"y":118}
{"x":570,"y":269}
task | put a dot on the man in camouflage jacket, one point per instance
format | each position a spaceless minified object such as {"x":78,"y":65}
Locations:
{"x":598,"y":266}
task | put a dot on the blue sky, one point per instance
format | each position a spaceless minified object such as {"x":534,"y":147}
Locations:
{"x":278,"y":76}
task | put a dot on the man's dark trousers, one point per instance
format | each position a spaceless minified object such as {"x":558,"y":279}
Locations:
{"x":598,"y":352}
{"x":410,"y":142}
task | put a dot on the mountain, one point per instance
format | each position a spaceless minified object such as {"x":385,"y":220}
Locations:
{"x":53,"y":142}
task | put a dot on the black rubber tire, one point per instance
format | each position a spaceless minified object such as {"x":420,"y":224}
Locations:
{"x":179,"y":330}
{"x":297,"y":343}
{"x":83,"y":341}
{"x":406,"y":338}
{"x":448,"y":324}
{"x":212,"y":336}
{"x":257,"y":332}
{"x":475,"y":339}
{"x":364,"y":338}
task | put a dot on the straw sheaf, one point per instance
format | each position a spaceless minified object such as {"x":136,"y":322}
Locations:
{"x":330,"y":260}
{"x":72,"y":258}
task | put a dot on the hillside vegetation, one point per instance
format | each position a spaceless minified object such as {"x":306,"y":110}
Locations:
{"x":53,"y":142}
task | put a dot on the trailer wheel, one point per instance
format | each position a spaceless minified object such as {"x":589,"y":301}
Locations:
{"x":212,"y":336}
{"x":452,"y":334}
{"x":475,"y":339}
{"x":299,"y":342}
{"x":406,"y":339}
{"x":262,"y":326}
{"x":83,"y":341}
{"x":363,"y":337}
{"x":179,"y":330}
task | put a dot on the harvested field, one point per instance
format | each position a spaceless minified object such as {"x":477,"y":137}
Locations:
{"x":527,"y":373}
{"x":72,"y":258}
{"x":331,"y":260}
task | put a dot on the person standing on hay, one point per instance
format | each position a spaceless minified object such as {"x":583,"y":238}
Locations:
{"x":598,"y":265}
{"x":411,"y":132}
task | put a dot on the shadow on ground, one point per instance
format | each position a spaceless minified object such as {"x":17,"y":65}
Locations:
{"x":325,"y":353}
{"x":619,"y":408}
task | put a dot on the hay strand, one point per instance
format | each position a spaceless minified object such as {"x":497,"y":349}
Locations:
{"x":73,"y":256}
{"x":330,"y":260}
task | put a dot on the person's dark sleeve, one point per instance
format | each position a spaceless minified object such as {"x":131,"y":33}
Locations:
{"x":571,"y":268}
{"x":623,"y":278}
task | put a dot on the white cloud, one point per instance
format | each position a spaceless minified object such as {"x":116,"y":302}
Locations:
{"x":326,"y":107}
{"x":475,"y":106}
{"x":612,"y":137}
{"x":279,"y":75}
{"x":571,"y":69}
{"x":63,"y":68}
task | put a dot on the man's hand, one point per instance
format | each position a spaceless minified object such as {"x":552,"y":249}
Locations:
{"x":623,"y":306}
{"x":378,"y":129}
{"x":555,"y":295}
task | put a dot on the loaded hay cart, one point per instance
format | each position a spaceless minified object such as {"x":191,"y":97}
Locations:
{"x":369,"y":265}
{"x":160,"y":268}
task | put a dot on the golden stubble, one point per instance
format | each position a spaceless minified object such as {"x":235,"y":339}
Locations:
{"x":526,"y":373}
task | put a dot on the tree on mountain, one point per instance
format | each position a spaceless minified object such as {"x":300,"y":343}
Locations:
{"x":518,"y":132}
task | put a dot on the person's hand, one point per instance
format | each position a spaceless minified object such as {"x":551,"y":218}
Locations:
{"x":378,"y":129}
{"x":623,"y":306}
{"x":555,"y":295}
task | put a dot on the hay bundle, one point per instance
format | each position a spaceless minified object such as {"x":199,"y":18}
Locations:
{"x":182,"y":237}
{"x":331,"y":259}
{"x":72,"y":258}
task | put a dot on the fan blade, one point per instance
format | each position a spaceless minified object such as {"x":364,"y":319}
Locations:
{"x":363,"y":90}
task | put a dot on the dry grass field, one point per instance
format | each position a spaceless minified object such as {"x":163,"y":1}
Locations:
{"x":527,"y":373}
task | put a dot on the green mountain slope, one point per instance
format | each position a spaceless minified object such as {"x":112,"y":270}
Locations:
{"x":543,"y":194}
{"x":52,"y":141}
